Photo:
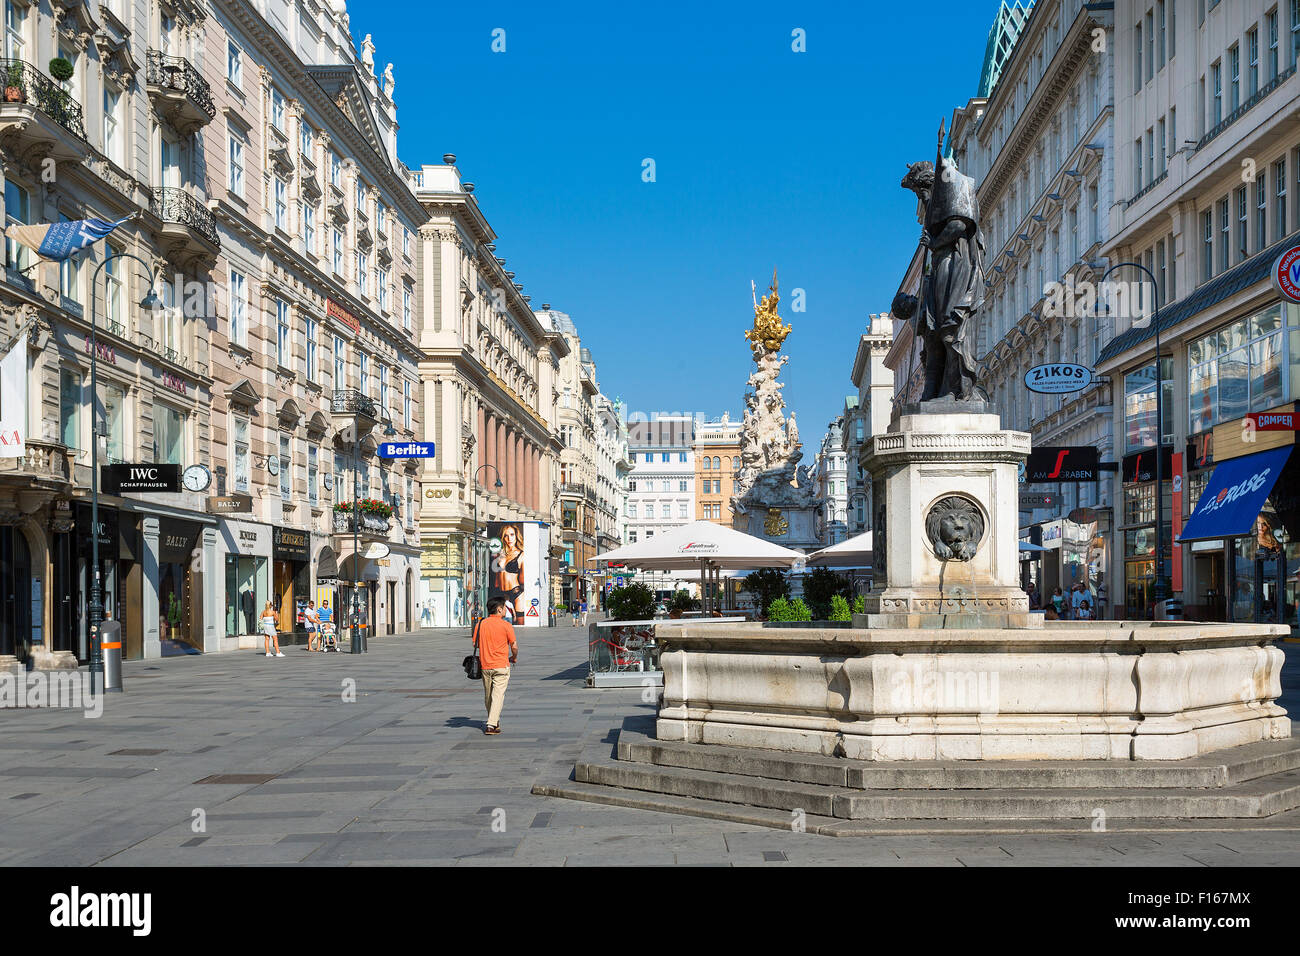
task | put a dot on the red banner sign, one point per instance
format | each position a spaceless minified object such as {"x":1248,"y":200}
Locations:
{"x":1273,"y":421}
{"x":334,"y":310}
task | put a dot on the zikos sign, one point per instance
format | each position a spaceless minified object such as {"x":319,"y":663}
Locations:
{"x":1058,"y":378}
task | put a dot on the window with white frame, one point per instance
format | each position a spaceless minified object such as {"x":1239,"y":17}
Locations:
{"x":15,"y":30}
{"x":168,"y":434}
{"x":234,"y":64}
{"x":311,"y":332}
{"x":238,"y":308}
{"x":17,"y":212}
{"x":281,"y":190}
{"x":337,"y":246}
{"x":286,"y":461}
{"x":304,"y":138}
{"x":277,"y":109}
{"x":407,"y":404}
{"x":235,"y":171}
{"x":336,"y":170}
{"x":312,"y":467}
{"x":309,"y":227}
{"x":365,"y":374}
{"x":383,"y":390}
{"x":112,"y":124}
{"x":406,"y":308}
{"x":241,"y":453}
{"x":113,"y":287}
{"x":340,"y":363}
{"x":283,"y":342}
{"x":382,"y":279}
{"x":363,"y":273}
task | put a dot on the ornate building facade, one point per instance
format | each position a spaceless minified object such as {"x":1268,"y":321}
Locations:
{"x":489,"y":377}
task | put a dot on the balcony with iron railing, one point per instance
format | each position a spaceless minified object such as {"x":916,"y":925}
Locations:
{"x":187,"y":224}
{"x":180,"y":92}
{"x":36,"y":111}
{"x":347,"y":401}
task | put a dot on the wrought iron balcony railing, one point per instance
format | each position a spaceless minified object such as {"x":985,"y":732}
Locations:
{"x":177,"y":73}
{"x":348,"y":401}
{"x":23,"y":83}
{"x":172,"y":204}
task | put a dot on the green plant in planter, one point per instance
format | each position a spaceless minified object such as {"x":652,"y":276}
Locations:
{"x":767,"y":584}
{"x":61,"y":69}
{"x":800,"y":611}
{"x":779,"y":610}
{"x":633,"y":602}
{"x":682,"y":601}
{"x":14,"y":91}
{"x":860,"y":604}
{"x":840,"y":609}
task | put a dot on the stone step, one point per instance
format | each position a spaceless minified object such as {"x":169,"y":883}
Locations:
{"x":829,"y":826}
{"x":1216,"y":770}
{"x":1255,"y":798}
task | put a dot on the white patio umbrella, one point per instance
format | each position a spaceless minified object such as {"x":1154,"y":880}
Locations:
{"x":703,"y":544}
{"x":853,"y":552}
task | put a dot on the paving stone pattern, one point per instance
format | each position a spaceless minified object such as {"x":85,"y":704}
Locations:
{"x":241,"y":759}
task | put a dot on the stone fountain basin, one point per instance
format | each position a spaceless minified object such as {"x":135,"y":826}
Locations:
{"x":1074,"y":690}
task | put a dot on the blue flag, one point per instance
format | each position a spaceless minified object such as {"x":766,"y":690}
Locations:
{"x":59,"y":240}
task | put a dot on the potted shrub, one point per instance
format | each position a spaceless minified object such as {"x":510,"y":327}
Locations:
{"x":14,"y":92}
{"x":61,"y":69}
{"x":682,"y":602}
{"x":840,"y":609}
{"x":173,"y":617}
{"x":633,"y":602}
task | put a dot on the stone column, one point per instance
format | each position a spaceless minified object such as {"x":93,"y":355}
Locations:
{"x":214,"y":582}
{"x":501,"y":456}
{"x":151,"y":645}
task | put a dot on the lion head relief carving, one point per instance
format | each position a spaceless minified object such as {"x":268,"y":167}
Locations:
{"x":955,"y":527}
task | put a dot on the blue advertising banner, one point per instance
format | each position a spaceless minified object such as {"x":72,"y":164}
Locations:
{"x":1234,"y":495}
{"x":410,"y":449}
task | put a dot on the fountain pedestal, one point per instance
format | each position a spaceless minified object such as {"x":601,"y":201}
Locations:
{"x":945,"y":484}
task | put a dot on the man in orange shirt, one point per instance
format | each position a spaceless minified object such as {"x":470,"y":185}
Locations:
{"x":493,"y":636}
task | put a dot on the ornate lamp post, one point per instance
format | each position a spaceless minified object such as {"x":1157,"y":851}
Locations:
{"x":150,"y":303}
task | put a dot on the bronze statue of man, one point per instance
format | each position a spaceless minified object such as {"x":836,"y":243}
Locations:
{"x":952,"y":290}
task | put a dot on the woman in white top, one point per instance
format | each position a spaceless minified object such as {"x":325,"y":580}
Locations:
{"x":269,"y":633}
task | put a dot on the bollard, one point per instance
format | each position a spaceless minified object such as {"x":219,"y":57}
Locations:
{"x":110,"y":643}
{"x":356,"y":636}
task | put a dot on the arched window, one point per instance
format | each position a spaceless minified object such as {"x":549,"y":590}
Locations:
{"x":706,"y":463}
{"x":717,"y":463}
{"x":735,"y":463}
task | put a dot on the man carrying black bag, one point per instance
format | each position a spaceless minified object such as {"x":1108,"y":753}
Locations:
{"x":494,"y":639}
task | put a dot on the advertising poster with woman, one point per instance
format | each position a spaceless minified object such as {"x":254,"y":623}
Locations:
{"x":517,"y":569}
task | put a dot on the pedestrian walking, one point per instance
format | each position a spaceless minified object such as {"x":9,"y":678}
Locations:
{"x":311,"y":623}
{"x":497,"y":650}
{"x":270,"y":635}
{"x":574,"y":610}
{"x":582,"y":609}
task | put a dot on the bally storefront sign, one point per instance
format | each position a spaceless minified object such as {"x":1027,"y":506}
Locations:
{"x":230,"y":505}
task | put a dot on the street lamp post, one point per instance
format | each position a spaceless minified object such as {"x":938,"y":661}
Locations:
{"x":1158,"y":591}
{"x":474,"y":542}
{"x":150,"y":302}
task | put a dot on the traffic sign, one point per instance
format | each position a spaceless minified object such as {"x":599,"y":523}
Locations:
{"x":408,"y":449}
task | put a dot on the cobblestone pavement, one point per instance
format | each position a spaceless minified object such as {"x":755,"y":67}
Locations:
{"x":241,"y":759}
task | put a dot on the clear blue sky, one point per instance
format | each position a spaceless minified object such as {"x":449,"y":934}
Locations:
{"x":763,"y":157}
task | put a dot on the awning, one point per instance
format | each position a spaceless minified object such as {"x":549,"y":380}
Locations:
{"x":1234,"y":495}
{"x":1027,"y":546}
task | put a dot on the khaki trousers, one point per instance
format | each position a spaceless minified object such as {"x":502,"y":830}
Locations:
{"x":494,"y":692}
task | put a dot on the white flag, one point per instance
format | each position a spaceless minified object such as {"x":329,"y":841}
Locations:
{"x":13,"y":400}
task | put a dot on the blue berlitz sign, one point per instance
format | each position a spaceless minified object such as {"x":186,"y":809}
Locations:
{"x":409,"y":449}
{"x":1058,"y":378}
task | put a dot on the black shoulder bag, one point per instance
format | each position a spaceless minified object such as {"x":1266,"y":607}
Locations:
{"x":473,"y":667}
